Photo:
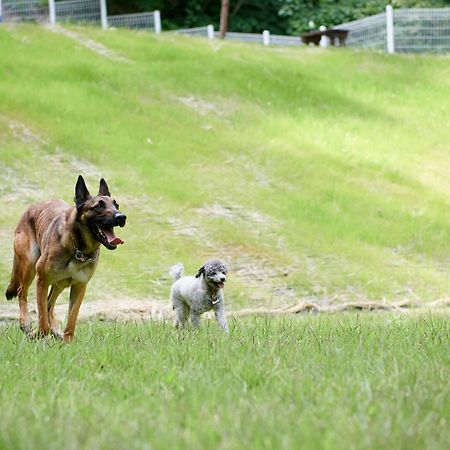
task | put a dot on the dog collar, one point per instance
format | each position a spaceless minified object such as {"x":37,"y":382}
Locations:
{"x":215,"y":300}
{"x":80,"y":256}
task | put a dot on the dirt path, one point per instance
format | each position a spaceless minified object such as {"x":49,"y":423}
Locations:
{"x":92,"y":45}
{"x":131,"y":310}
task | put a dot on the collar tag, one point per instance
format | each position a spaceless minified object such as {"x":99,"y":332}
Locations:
{"x":79,"y":256}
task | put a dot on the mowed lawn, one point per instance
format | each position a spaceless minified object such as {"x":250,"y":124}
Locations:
{"x":344,"y":381}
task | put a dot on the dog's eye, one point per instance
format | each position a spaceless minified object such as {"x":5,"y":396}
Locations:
{"x":100,"y":204}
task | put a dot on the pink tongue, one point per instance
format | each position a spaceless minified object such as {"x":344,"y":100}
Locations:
{"x":116,"y":241}
{"x":112,"y":239}
{"x":221,"y":285}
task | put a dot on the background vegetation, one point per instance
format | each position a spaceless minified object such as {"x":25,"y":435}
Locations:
{"x":278,"y":16}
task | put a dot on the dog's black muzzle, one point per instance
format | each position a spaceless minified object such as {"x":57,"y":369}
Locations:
{"x":119,"y":220}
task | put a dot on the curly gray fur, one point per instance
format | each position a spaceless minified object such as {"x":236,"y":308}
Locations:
{"x":192,"y":296}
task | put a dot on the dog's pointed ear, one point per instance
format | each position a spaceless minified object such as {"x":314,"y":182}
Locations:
{"x":200,"y":271}
{"x":103,"y":189}
{"x":81,"y":192}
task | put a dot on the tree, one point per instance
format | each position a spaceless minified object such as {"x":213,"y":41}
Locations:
{"x":254,"y":16}
{"x":224,"y":18}
{"x":299,"y":14}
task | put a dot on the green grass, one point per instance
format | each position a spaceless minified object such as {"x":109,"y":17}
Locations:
{"x":346,"y":381}
{"x":334,"y":164}
{"x":316,"y":174}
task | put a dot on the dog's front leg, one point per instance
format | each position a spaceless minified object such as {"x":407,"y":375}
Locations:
{"x":54,"y":325}
{"x":195,"y":319}
{"x":77,"y":292}
{"x":219,"y":312}
{"x":41,"y":295}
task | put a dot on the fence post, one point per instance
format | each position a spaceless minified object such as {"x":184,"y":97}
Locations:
{"x":157,"y":21}
{"x":103,"y":14}
{"x":390,"y":29}
{"x":266,"y":37}
{"x":209,"y":31}
{"x":324,"y":40}
{"x":1,"y":12}
{"x":52,"y":12}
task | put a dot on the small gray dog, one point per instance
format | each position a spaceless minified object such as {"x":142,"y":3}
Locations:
{"x":192,"y":296}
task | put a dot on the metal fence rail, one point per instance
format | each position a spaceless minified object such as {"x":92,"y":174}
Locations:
{"x":278,"y":39}
{"x":413,"y":31}
{"x":264,"y":38}
{"x":244,"y":37}
{"x":402,"y":30}
{"x":78,"y":11}
{"x":75,"y":11}
{"x":194,"y":32}
{"x":24,"y":11}
{"x":369,"y":32}
{"x":141,"y":21}
{"x":422,"y":30}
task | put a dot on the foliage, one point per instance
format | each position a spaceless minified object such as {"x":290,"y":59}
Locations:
{"x":245,"y":15}
{"x":278,"y":16}
{"x":302,"y":15}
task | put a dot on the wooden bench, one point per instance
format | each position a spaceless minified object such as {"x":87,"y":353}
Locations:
{"x":314,"y":37}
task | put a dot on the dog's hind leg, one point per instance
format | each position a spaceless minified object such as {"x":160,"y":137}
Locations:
{"x":24,"y":315}
{"x":26,"y":253}
{"x":181,"y":314}
{"x":54,"y":325}
{"x":25,"y":273}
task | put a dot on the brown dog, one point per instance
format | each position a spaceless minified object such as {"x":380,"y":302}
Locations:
{"x":61,"y":245}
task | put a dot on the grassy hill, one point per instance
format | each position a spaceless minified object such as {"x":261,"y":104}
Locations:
{"x":316,"y":174}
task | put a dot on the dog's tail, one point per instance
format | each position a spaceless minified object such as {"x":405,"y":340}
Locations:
{"x":14,"y":284}
{"x":176,"y":271}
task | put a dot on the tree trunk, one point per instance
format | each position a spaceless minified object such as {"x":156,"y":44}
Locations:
{"x":224,"y":18}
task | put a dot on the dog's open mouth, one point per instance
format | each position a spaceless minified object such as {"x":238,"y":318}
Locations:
{"x":106,"y":236}
{"x":220,"y":285}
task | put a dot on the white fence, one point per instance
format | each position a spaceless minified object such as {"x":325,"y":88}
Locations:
{"x":23,"y":11}
{"x":369,"y":32}
{"x":141,"y":21}
{"x":244,"y":37}
{"x":402,"y":30}
{"x":395,"y":30}
{"x":207,"y":32}
{"x":264,"y":38}
{"x":278,"y":39}
{"x":75,"y":11}
{"x":422,"y":30}
{"x":78,"y":11}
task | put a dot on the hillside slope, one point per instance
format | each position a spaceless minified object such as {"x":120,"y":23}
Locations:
{"x":316,"y":174}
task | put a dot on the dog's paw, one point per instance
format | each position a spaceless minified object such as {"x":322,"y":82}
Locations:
{"x":58,"y":335}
